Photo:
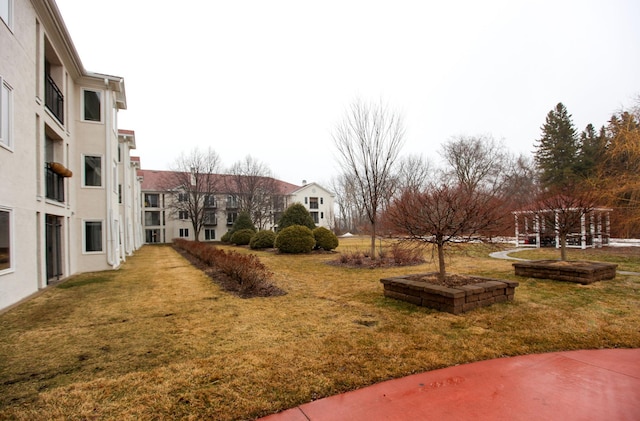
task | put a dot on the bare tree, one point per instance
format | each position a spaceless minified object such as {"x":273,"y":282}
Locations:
{"x":562,"y":209}
{"x":368,"y":141}
{"x":476,"y":161}
{"x":414,"y":173}
{"x":520,"y":182}
{"x":351,"y":213}
{"x":253,"y":183}
{"x":442,"y":213}
{"x":192,"y":184}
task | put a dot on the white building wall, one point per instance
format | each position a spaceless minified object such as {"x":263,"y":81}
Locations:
{"x":35,"y":36}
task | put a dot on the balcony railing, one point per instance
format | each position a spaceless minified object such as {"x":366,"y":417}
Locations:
{"x":53,"y":98}
{"x":55,"y":185}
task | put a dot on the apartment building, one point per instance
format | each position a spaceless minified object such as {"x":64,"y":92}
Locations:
{"x":163,"y":221}
{"x":69,"y":186}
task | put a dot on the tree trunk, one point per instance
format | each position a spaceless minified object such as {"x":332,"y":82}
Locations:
{"x":441,"y":263}
{"x":373,"y":241}
{"x":563,"y":247}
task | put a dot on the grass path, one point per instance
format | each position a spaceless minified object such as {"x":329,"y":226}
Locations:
{"x":158,"y":340}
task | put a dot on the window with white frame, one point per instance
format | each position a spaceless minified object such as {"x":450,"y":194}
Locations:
{"x":151,"y":218}
{"x":314,"y":216}
{"x":92,"y":236}
{"x":183,"y":215}
{"x":91,"y":105}
{"x":6,"y":99}
{"x":183,"y":197}
{"x":6,"y":11}
{"x":184,"y":232}
{"x":6,"y":249}
{"x":210,"y":218}
{"x":92,"y":171}
{"x":151,"y":200}
{"x":209,"y":234}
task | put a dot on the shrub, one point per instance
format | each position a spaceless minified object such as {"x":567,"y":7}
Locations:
{"x":325,"y":239}
{"x":246,"y":270}
{"x":263,"y":239}
{"x":295,"y":239}
{"x":242,"y":237}
{"x":243,"y":221}
{"x":296,"y":214}
{"x":226,"y":237}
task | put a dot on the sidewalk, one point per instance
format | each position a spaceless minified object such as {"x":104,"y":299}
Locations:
{"x":567,"y":386}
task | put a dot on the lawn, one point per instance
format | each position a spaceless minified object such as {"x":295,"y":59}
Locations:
{"x":158,"y":339}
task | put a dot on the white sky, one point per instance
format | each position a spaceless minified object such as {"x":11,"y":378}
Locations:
{"x":273,"y":78}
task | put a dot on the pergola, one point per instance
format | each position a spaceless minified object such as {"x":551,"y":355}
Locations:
{"x":532,"y":230}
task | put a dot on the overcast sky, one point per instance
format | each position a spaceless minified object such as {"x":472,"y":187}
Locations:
{"x":273,"y":78}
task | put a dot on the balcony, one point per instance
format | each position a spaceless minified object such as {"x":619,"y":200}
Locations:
{"x":53,"y":98}
{"x":55,"y":185}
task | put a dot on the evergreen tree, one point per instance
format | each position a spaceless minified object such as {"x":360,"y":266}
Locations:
{"x":557,"y":150}
{"x":243,"y":221}
{"x":592,"y":147}
{"x":296,"y":214}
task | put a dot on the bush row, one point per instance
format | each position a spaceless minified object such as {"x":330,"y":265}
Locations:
{"x":292,"y":239}
{"x":246,"y":270}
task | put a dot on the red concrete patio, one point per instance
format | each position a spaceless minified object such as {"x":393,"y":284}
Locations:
{"x":573,"y":385}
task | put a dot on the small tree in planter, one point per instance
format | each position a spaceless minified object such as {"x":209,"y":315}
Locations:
{"x":563,"y":208}
{"x":442,"y":213}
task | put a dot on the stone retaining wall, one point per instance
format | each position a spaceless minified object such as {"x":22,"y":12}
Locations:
{"x":573,"y":271}
{"x":454,"y":300}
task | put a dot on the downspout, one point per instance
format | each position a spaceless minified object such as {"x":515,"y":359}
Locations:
{"x":107,"y":123}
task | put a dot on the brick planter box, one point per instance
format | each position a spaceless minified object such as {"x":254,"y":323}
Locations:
{"x":456,"y":300}
{"x":581,"y":272}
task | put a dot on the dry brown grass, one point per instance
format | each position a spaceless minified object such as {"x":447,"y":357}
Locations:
{"x":157,"y":339}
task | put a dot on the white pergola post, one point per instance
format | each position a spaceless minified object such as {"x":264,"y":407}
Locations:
{"x":517,"y":231}
{"x":557,"y":228}
{"x":583,"y":232}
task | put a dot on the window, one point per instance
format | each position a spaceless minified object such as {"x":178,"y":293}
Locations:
{"x":6,"y":11}
{"x":322,"y":201}
{"x":6,"y":98}
{"x":231,"y":217}
{"x":184,"y":232}
{"x":210,"y":201}
{"x":183,"y":215}
{"x":313,"y":203}
{"x":232,"y":201}
{"x":92,"y":236}
{"x":120,"y":193}
{"x":314,"y":215}
{"x":152,"y":236}
{"x":209,"y":234}
{"x":92,"y":105}
{"x":306,"y":200}
{"x":5,"y":240}
{"x":210,"y":218}
{"x":93,"y":171}
{"x":183,"y":197}
{"x":151,"y":218}
{"x":321,"y":215}
{"x":151,"y":200}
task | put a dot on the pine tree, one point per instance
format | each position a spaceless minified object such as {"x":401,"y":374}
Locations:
{"x":296,"y":214}
{"x":592,"y":146}
{"x":557,"y":150}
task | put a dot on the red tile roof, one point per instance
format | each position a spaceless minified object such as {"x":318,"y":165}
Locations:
{"x":155,"y":180}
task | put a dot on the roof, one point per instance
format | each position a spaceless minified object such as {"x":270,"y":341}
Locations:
{"x":299,"y":189}
{"x":157,"y":180}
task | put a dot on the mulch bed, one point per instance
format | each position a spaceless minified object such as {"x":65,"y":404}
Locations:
{"x":228,"y":284}
{"x":450,"y":280}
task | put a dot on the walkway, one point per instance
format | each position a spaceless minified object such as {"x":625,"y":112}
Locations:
{"x":567,"y":386}
{"x":505,"y":255}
